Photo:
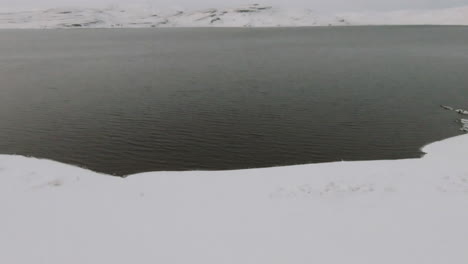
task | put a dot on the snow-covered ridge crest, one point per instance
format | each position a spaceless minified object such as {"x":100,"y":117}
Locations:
{"x":247,"y":16}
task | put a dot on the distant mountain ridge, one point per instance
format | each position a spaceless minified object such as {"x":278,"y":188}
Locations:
{"x":246,"y":16}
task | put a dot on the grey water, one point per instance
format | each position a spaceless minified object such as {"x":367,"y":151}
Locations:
{"x":134,"y":100}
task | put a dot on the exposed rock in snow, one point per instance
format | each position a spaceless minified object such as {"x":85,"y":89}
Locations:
{"x":386,"y":212}
{"x":462,"y":111}
{"x":248,"y":16}
{"x":464,"y":122}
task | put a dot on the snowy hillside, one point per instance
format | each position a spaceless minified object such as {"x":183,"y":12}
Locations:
{"x":248,"y":16}
{"x":386,"y":212}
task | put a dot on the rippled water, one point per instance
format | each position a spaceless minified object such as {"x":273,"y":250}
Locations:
{"x":127,"y":101}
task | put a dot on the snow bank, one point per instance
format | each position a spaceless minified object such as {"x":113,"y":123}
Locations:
{"x":247,"y":16}
{"x":405,"y":211}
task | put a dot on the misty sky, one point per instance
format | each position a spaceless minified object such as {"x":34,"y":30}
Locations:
{"x":325,"y":5}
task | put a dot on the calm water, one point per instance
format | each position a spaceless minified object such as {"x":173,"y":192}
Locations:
{"x":127,"y":101}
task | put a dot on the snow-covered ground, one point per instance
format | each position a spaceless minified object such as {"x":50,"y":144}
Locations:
{"x":247,"y":16}
{"x":404,"y":211}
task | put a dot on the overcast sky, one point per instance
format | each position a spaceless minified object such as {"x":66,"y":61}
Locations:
{"x":327,"y":5}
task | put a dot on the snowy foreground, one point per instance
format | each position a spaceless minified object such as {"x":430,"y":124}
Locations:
{"x":405,"y":211}
{"x":247,"y":16}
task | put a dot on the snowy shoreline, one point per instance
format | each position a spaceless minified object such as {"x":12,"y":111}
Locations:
{"x":402,"y":211}
{"x":246,"y":16}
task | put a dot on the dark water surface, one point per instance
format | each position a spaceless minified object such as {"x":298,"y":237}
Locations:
{"x":127,"y":101}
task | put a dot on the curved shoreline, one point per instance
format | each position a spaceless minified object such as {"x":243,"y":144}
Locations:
{"x":437,"y":148}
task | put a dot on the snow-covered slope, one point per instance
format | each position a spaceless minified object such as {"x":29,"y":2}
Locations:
{"x":248,"y":16}
{"x":406,"y":211}
{"x":450,"y":16}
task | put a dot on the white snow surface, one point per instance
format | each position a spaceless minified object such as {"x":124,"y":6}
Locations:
{"x":403,"y":211}
{"x":247,"y":16}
